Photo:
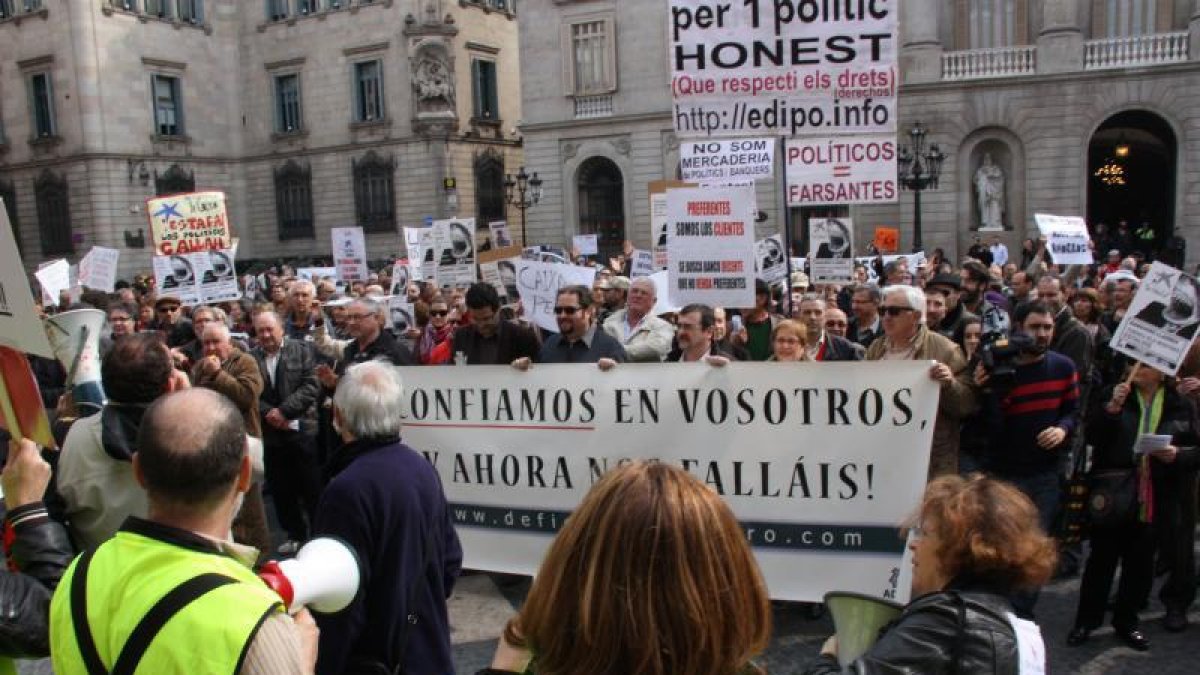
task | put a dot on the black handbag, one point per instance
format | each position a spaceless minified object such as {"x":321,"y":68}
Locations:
{"x":1073,"y":516}
{"x":1112,"y":498}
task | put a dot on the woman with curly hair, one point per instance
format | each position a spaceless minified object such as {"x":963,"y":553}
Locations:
{"x":975,"y":542}
{"x":651,"y":575}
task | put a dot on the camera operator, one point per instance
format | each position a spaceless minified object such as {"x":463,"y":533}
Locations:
{"x":1031,"y":402}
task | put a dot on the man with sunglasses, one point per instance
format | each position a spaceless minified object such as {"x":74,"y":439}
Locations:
{"x":579,"y":340}
{"x":169,"y":320}
{"x":486,"y":339}
{"x":907,"y":338}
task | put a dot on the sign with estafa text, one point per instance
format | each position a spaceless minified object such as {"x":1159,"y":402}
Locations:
{"x":187,"y":223}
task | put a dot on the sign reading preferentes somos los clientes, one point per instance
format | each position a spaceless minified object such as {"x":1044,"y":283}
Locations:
{"x":783,"y":67}
{"x":819,"y":462}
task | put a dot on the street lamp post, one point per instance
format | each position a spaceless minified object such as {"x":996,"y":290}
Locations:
{"x":522,"y":191}
{"x":918,"y":171}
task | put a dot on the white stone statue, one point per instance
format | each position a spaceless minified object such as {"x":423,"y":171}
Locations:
{"x":989,"y":188}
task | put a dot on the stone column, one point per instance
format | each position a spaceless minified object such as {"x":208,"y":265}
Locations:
{"x":1060,"y":43}
{"x":1194,"y":32}
{"x":920,"y":44}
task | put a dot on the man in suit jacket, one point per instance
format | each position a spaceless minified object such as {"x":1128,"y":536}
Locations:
{"x":487,"y":339}
{"x":694,"y":336}
{"x":822,"y":345}
{"x":290,"y":390}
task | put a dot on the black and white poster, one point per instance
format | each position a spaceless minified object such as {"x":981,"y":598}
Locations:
{"x":831,"y":250}
{"x":1162,"y":320}
{"x":400,"y":314}
{"x":771,"y":258}
{"x":454,"y":246}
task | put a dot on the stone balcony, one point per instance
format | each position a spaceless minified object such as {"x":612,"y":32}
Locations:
{"x":1135,"y":51}
{"x":975,"y":64}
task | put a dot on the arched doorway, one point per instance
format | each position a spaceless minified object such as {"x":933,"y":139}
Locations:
{"x":602,"y":205}
{"x":1131,"y":174}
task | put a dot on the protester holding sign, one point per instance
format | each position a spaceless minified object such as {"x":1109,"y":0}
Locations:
{"x":975,"y":542}
{"x":579,"y":339}
{"x":644,"y":336}
{"x":691,"y":591}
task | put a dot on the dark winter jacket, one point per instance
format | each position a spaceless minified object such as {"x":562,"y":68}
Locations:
{"x":41,"y":551}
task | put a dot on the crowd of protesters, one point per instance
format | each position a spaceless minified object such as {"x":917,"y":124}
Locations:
{"x":1032,"y":400}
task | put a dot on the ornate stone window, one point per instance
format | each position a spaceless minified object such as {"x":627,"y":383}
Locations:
{"x":489,"y":188}
{"x":54,"y":213}
{"x":293,"y":201}
{"x":374,"y":192}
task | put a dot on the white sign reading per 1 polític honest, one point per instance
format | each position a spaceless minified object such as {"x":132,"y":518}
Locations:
{"x":710,"y":246}
{"x":1067,"y":238}
{"x":1160,"y":325}
{"x":724,"y":162}
{"x":841,"y":170}
{"x":782,"y":68}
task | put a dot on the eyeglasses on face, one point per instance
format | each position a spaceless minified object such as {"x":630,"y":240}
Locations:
{"x":438,"y":312}
{"x":357,"y":317}
{"x":168,"y":310}
{"x":836,"y":324}
{"x":569,"y":311}
{"x":895,"y":311}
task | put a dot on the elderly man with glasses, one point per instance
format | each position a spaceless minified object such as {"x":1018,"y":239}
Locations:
{"x":907,"y":338}
{"x":369,"y":342}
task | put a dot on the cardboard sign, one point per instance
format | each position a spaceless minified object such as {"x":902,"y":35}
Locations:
{"x":186,"y":223}
{"x":1160,"y":325}
{"x":20,"y":326}
{"x":710,"y":247}
{"x":538,"y":283}
{"x":1067,"y":239}
{"x":350,"y":254}
{"x":499,"y":254}
{"x":831,"y":250}
{"x":727,"y":162}
{"x":98,"y":269}
{"x":586,"y":244}
{"x":842,"y":170}
{"x":887,"y":239}
{"x":783,"y":68}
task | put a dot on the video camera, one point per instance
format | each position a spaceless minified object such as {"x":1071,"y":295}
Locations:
{"x":998,"y":353}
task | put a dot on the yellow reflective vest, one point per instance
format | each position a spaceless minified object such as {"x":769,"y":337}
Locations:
{"x":157,"y":601}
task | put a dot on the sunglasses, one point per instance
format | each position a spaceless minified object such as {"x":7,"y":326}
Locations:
{"x":168,"y":310}
{"x":835,"y":324}
{"x":895,"y":311}
{"x":569,"y":311}
{"x":435,"y":312}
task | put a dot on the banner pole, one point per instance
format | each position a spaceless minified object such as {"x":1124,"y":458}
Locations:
{"x":787,"y":224}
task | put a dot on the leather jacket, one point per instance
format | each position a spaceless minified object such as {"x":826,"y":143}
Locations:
{"x":951,"y":631}
{"x":41,"y":551}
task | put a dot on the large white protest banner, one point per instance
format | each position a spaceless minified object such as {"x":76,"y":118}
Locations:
{"x":98,"y":269}
{"x":710,"y":247}
{"x":831,"y":250}
{"x":820,"y":475}
{"x":538,"y":283}
{"x":186,"y":223}
{"x":842,"y":170}
{"x":20,"y":327}
{"x":349,"y":253}
{"x":727,"y":162}
{"x":782,"y":68}
{"x":454,"y":251}
{"x":1161,"y":322}
{"x":1067,"y":238}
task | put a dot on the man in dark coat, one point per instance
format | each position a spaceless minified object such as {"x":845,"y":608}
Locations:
{"x":487,"y":339}
{"x":364,"y":323}
{"x":694,"y":337}
{"x":822,"y":345}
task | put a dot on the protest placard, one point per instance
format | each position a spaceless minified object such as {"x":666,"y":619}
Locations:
{"x":54,"y":277}
{"x":216,"y":275}
{"x":175,"y":276}
{"x":454,"y":252}
{"x":22,"y":412}
{"x":501,"y":237}
{"x":586,"y":244}
{"x":1161,"y":322}
{"x":349,"y":254}
{"x":710,"y":247}
{"x":658,"y":218}
{"x":98,"y":269}
{"x":538,"y":283}
{"x":831,"y":250}
{"x":887,"y":239}
{"x":20,"y":327}
{"x":842,"y":170}
{"x":417,"y":240}
{"x":641,"y":264}
{"x":315,"y":274}
{"x":1067,"y":239}
{"x":496,"y":254}
{"x":400,"y":314}
{"x":739,"y":161}
{"x":401,"y":276}
{"x":186,"y":223}
{"x":770,"y":257}
{"x":820,"y":476}
{"x":759,"y":67}
{"x":502,"y":275}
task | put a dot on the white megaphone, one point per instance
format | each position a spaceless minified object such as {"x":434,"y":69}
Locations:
{"x":857,"y":620}
{"x":75,"y":338}
{"x":324,"y":575}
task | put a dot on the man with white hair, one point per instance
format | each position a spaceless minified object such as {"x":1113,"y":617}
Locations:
{"x":369,"y":342}
{"x":906,"y":338}
{"x":299,"y":322}
{"x":644,"y":336}
{"x":386,"y":502}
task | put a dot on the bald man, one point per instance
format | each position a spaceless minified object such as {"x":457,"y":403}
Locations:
{"x":234,"y":374}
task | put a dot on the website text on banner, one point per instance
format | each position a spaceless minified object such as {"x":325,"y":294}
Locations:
{"x":819,"y":474}
{"x":783,"y":67}
{"x":187,"y":223}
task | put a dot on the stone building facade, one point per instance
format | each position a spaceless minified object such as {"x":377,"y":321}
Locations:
{"x":309,"y":114}
{"x":1087,"y":106}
